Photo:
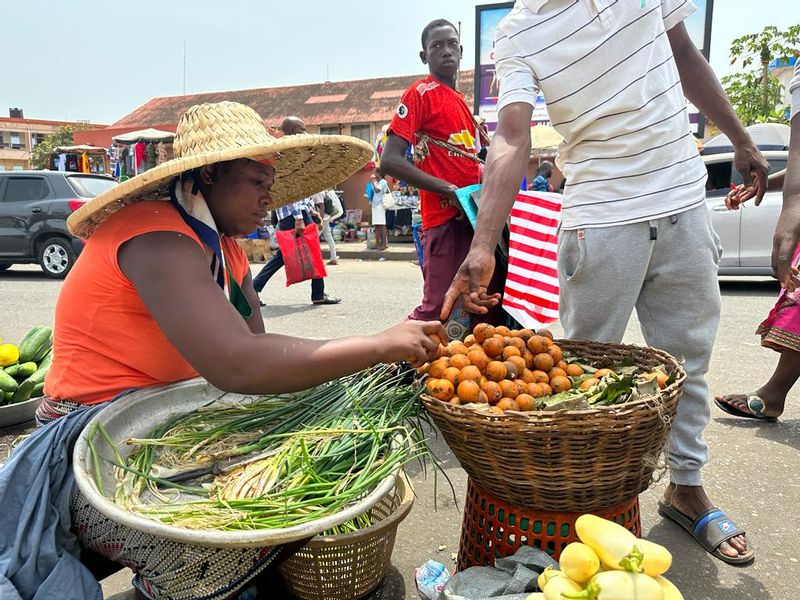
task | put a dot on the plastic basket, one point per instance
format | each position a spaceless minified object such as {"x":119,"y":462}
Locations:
{"x":493,"y":528}
{"x":351,"y":565}
{"x":567,"y":460}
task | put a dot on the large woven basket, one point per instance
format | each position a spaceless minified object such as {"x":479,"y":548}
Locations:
{"x":351,"y":565}
{"x":569,"y":460}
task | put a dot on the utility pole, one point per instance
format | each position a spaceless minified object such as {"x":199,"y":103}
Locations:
{"x":184,"y":67}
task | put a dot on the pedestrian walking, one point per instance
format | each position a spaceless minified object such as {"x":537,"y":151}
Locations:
{"x":635,"y":230}
{"x":380,"y":191}
{"x":294,"y":217}
{"x":326,"y":203}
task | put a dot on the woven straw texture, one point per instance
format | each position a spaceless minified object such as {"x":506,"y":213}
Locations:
{"x":349,"y":566}
{"x":211,"y":133}
{"x":569,"y":460}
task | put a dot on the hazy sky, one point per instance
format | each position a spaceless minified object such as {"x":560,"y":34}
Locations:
{"x":97,"y":61}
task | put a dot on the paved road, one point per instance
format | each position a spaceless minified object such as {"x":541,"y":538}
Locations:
{"x":753,"y":472}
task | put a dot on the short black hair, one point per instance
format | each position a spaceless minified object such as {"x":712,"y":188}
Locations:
{"x":435,"y":25}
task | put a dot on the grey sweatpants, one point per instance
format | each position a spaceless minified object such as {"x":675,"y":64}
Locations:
{"x":672,"y":282}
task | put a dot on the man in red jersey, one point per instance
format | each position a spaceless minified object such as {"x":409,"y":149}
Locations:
{"x":433,"y":117}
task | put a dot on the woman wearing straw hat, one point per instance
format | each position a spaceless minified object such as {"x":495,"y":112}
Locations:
{"x":162,"y":293}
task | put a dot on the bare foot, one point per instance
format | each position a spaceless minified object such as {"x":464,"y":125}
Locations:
{"x":693,"y":501}
{"x":773,"y":406}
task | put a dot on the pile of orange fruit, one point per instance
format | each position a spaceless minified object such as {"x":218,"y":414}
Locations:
{"x":511,"y":370}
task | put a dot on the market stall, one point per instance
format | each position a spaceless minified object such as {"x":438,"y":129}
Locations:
{"x":137,"y":151}
{"x":80,"y":159}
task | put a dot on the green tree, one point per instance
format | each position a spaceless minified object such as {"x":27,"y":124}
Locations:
{"x":40,"y":155}
{"x":757,"y":96}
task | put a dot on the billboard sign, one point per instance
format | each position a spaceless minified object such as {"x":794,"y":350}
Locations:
{"x":487,"y":16}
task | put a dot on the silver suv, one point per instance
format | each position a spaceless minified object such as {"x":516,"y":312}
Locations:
{"x":746,"y":234}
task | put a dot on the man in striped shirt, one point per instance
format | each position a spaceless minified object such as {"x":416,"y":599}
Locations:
{"x":635,"y":231}
{"x":295,"y":216}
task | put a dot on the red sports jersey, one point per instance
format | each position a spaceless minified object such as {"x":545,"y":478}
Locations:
{"x":430,"y":107}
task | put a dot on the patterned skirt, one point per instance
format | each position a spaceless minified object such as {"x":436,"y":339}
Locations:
{"x":781,"y":329}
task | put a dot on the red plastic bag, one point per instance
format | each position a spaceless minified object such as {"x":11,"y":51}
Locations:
{"x":302,"y":255}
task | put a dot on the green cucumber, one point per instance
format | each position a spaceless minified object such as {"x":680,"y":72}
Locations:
{"x":38,"y":390}
{"x":23,"y":392}
{"x":6,"y":397}
{"x":35,"y":344}
{"x":38,"y":376}
{"x":22,"y":371}
{"x":7,"y":382}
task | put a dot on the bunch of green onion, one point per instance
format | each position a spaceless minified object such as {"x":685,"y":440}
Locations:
{"x":316,"y":453}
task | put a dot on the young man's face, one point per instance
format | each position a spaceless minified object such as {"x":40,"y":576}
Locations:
{"x":442,"y":52}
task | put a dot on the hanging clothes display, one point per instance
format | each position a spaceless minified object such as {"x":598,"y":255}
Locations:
{"x":61,"y":162}
{"x":84,"y":164}
{"x":150,"y":156}
{"x":139,"y":152}
{"x":163,"y":153}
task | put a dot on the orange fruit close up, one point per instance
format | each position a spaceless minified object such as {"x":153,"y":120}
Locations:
{"x":468,"y":391}
{"x":493,"y":347}
{"x":459,"y":361}
{"x":441,"y":389}
{"x":478,"y":358}
{"x":536,"y":344}
{"x":574,"y":370}
{"x":509,"y":388}
{"x":482,"y":332}
{"x":535,"y":390}
{"x":517,"y":343}
{"x":525,"y":402}
{"x":600,"y":373}
{"x":510,"y":351}
{"x":492,"y":391}
{"x":496,"y":371}
{"x":555,"y":352}
{"x":588,"y":383}
{"x":560,"y":384}
{"x":508,"y":404}
{"x":451,"y":374}
{"x":438,"y":366}
{"x":543,"y":362}
{"x":469,"y":373}
{"x":540,"y":376}
{"x":556,"y":372}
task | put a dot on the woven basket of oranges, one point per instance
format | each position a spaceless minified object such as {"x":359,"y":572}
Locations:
{"x":544,"y":424}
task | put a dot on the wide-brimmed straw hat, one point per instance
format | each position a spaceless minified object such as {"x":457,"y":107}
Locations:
{"x":222,"y":131}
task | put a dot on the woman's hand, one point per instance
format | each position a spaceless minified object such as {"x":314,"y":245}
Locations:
{"x":415,"y":342}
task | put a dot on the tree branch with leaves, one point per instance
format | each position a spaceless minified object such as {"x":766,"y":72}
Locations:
{"x":758,"y":97}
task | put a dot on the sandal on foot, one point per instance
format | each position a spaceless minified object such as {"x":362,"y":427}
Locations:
{"x":754,"y":403}
{"x":709,"y":529}
{"x":327,"y":300}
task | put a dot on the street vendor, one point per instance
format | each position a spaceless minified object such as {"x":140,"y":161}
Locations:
{"x":433,"y":117}
{"x":162,"y":293}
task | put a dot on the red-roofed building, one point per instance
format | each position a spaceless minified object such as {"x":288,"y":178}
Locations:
{"x":19,"y":135}
{"x":358,"y":108}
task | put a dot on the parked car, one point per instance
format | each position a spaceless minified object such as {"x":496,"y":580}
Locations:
{"x":34,"y":206}
{"x":745,"y":234}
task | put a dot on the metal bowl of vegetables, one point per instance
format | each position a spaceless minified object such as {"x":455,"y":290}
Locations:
{"x":231,"y":441}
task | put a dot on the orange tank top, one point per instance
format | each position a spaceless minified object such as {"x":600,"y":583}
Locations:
{"x":104,"y":339}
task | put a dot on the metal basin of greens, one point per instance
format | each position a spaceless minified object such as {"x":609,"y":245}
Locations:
{"x":139,"y":413}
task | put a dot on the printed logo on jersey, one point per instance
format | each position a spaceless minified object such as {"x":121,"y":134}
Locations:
{"x":402,"y":111}
{"x":463,"y":138}
{"x":427,"y":87}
